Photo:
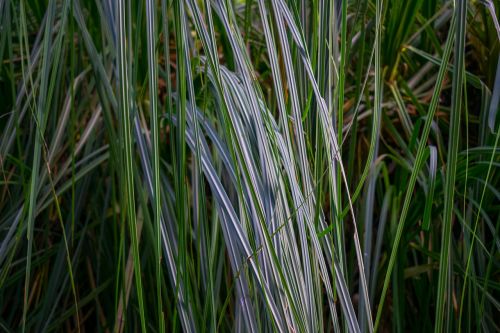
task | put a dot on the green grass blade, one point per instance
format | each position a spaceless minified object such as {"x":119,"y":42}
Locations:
{"x":127,"y":144}
{"x":419,"y":157}
{"x":444,"y":287}
{"x":153,"y":97}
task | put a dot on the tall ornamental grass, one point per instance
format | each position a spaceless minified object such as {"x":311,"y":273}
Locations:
{"x":249,"y":165}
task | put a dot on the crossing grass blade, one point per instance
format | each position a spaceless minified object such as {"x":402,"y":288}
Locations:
{"x":419,"y":157}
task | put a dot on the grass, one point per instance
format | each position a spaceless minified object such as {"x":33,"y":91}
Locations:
{"x":249,"y":165}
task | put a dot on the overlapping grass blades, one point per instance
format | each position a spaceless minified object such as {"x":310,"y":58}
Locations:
{"x":249,"y":165}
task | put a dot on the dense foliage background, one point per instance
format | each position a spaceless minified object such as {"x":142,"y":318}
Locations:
{"x":249,"y":165}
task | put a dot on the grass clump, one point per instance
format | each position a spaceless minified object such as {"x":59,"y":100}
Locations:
{"x":249,"y":165}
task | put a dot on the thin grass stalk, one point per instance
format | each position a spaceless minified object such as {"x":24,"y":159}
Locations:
{"x":127,"y":144}
{"x":180,"y":151}
{"x":153,"y":110}
{"x":339,"y":94}
{"x":39,"y":120}
{"x":444,"y":285}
